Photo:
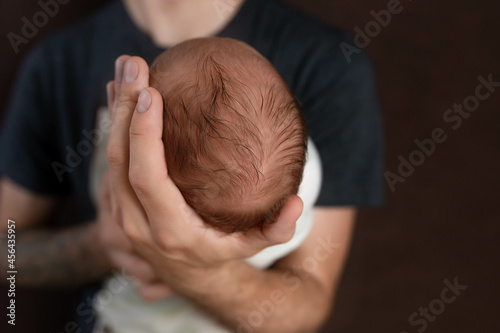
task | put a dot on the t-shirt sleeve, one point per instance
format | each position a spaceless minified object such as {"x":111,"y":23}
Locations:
{"x":341,"y":108}
{"x":28,"y":139}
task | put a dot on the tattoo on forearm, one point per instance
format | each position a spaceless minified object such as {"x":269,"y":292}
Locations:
{"x":57,"y":258}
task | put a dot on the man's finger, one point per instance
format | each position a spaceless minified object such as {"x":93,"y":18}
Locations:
{"x":135,"y":77}
{"x":148,"y":169}
{"x":110,"y":93}
{"x":153,"y":292}
{"x":134,"y":266}
{"x":119,"y":65}
{"x":277,"y":233}
{"x":104,"y":194}
{"x":132,"y":75}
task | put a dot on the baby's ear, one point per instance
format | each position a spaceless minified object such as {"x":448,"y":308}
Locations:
{"x":284,"y":228}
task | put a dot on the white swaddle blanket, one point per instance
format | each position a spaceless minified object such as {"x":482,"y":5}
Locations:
{"x":123,"y":311}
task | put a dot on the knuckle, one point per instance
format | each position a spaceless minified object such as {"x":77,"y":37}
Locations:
{"x":115,"y":155}
{"x":139,"y":181}
{"x":166,"y":242}
{"x":135,"y":238}
{"x":132,"y":232}
{"x":125,"y":102}
{"x":136,"y":130}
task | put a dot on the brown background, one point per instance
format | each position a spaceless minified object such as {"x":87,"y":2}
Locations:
{"x":441,"y":223}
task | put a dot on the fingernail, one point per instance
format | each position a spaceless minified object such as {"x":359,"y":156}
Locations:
{"x":119,"y":70}
{"x":131,"y":71}
{"x":144,"y":101}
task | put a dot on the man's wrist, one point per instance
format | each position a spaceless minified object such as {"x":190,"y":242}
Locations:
{"x":197,"y":282}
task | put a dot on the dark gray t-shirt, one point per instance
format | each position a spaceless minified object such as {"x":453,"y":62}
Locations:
{"x":46,"y":141}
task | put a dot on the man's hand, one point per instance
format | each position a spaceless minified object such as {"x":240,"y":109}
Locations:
{"x":120,"y":253}
{"x":161,"y":226}
{"x":195,"y":260}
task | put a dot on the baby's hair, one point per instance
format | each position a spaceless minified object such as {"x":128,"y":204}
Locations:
{"x":234,"y":135}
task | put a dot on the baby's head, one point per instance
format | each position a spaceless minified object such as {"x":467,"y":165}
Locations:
{"x":234,"y":136}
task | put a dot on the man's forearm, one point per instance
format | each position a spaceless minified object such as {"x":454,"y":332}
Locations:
{"x":274,"y":300}
{"x":56,"y":258}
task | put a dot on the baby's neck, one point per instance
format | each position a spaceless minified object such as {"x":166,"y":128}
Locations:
{"x":169,"y":22}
